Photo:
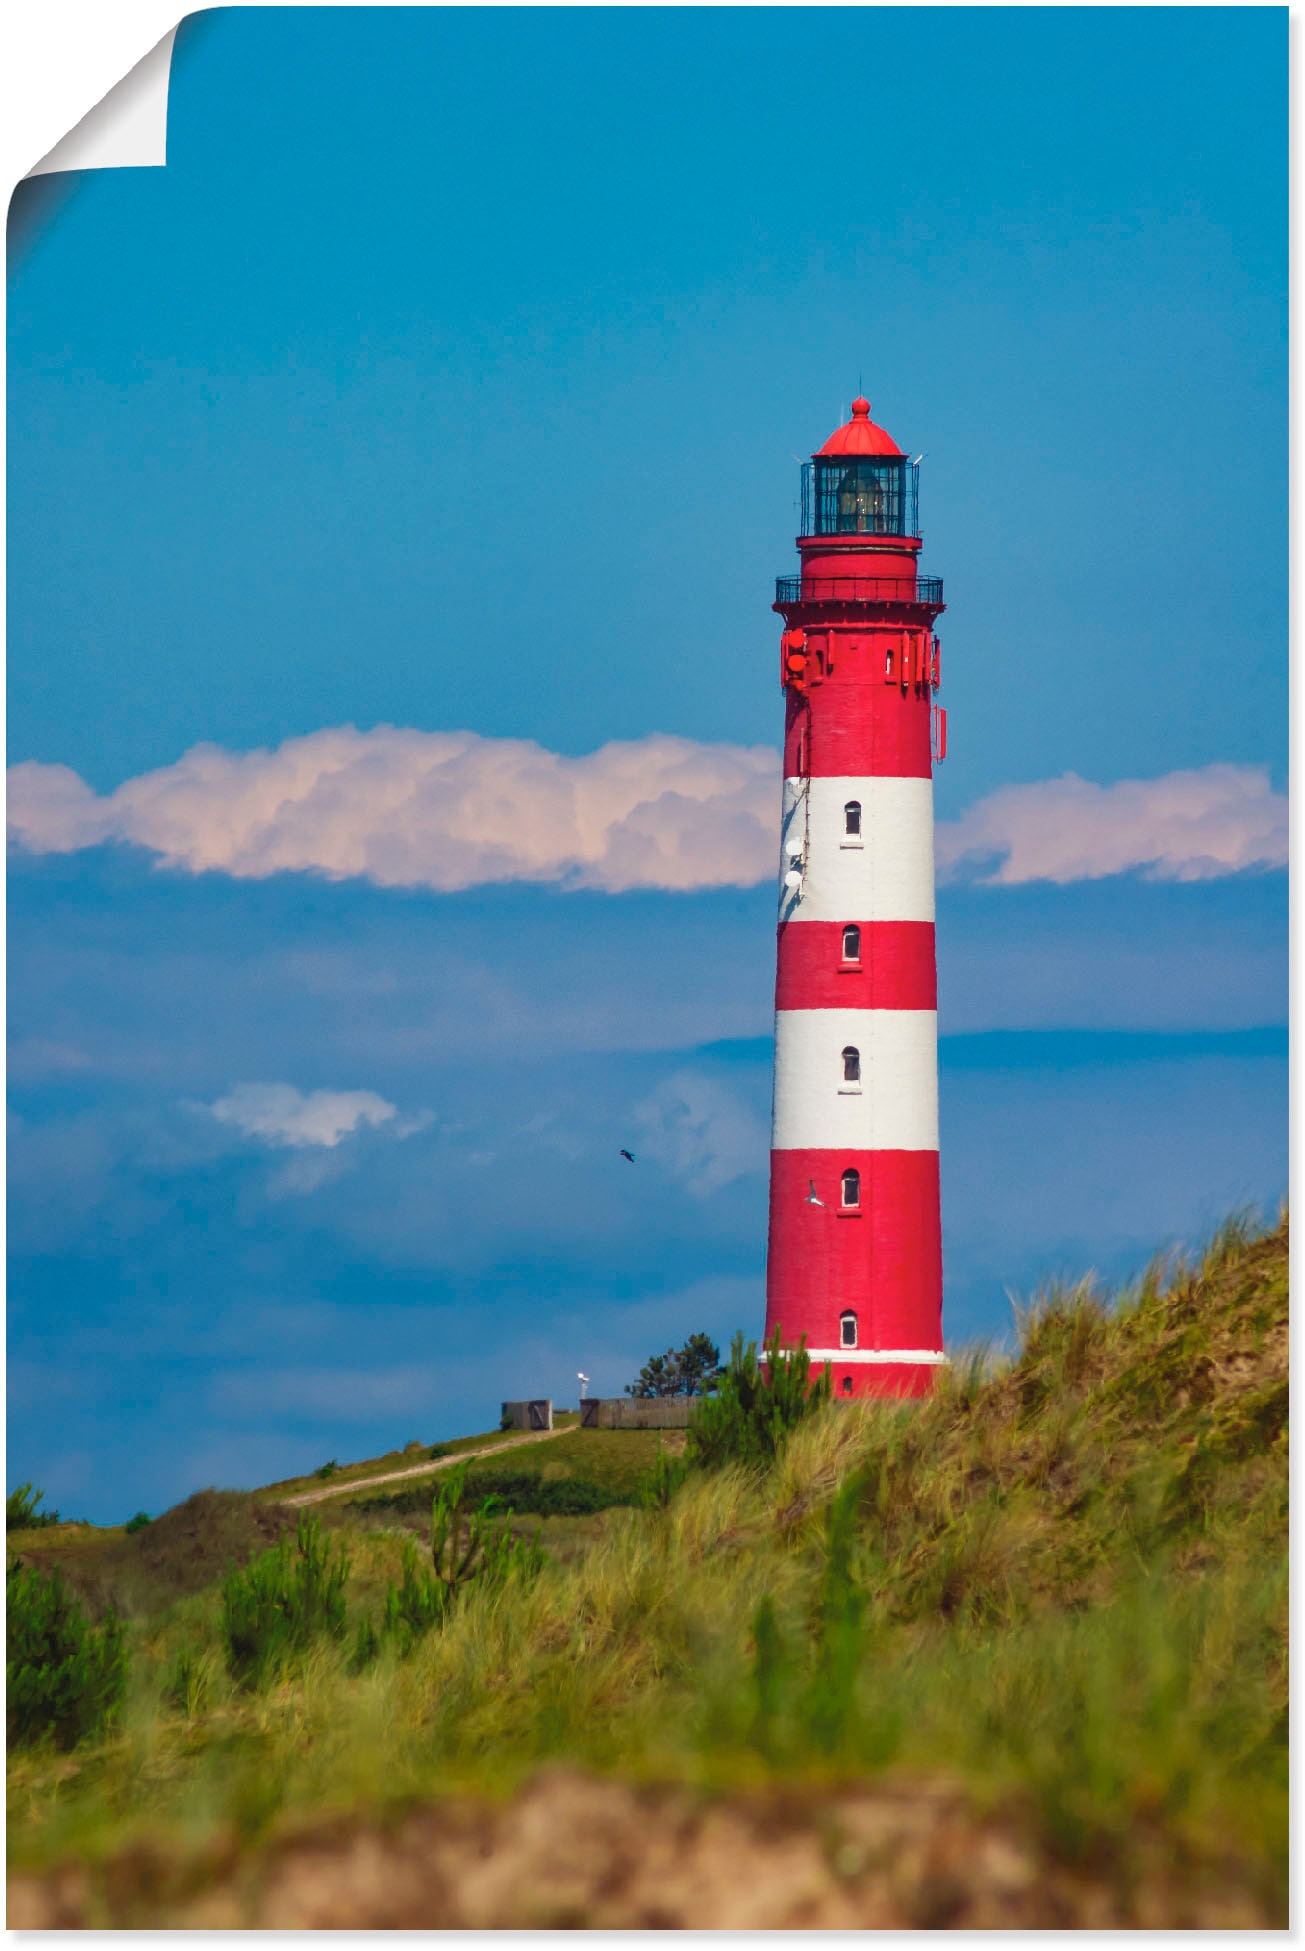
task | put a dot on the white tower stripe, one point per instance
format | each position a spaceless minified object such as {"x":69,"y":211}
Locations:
{"x":895,"y":1107}
{"x":884,"y":874}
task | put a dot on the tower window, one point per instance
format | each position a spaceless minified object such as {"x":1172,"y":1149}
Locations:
{"x":851,"y":1187}
{"x":847,"y":1330}
{"x":852,"y":819}
{"x":851,"y":943}
{"x":851,"y":1065}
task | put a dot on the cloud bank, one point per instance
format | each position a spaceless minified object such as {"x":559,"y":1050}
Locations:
{"x":1186,"y":826}
{"x":443,"y":810}
{"x":452,"y":810}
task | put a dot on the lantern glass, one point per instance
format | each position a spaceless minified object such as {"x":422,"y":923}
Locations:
{"x":860,"y":497}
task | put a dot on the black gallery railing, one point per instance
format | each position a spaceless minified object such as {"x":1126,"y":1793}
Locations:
{"x":926,"y":590}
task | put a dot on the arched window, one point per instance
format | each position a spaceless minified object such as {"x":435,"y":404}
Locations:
{"x":851,"y":943}
{"x":851,"y":1065}
{"x":852,"y":819}
{"x":847,"y":1330}
{"x":851,"y":1187}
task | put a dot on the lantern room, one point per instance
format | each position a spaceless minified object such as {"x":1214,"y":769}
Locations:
{"x":860,"y":483}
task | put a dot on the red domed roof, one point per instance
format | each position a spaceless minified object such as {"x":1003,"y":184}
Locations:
{"x":860,"y":435}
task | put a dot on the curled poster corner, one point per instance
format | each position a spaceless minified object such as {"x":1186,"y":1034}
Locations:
{"x":128,"y":129}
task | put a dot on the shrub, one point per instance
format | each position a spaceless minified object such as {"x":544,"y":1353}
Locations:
{"x":415,"y":1606}
{"x":467,"y":1543}
{"x":504,"y":1554}
{"x":65,"y":1677}
{"x":137,"y":1523}
{"x":523,"y":1492}
{"x":658,"y":1486}
{"x":750,"y":1416}
{"x":366,"y":1646}
{"x":277,"y":1606}
{"x":531,"y":1495}
{"x":21,"y":1513}
{"x":329,"y":1469}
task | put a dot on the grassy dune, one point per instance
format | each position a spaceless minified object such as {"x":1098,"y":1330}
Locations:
{"x":1056,"y":1593}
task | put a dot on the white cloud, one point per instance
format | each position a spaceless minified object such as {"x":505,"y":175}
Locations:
{"x":1186,"y":826}
{"x":452,"y":810}
{"x":281,"y":1115}
{"x":445,"y":810}
{"x":701,"y":1132}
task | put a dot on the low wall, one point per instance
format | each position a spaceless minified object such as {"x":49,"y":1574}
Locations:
{"x":537,"y":1414}
{"x":638,"y":1412}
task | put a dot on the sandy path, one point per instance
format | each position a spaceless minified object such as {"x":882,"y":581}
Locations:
{"x":573,"y":1850}
{"x":418,"y":1469}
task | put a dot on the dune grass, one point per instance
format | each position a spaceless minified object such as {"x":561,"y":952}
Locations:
{"x":1061,"y":1581}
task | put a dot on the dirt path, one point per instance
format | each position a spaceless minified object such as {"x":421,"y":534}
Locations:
{"x":418,"y":1469}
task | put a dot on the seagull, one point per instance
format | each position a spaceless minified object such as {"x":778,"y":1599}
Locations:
{"x":811,"y":1199}
{"x":916,"y":462}
{"x":627,"y":1155}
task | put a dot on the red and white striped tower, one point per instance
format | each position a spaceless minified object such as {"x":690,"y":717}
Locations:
{"x":855,"y":1257}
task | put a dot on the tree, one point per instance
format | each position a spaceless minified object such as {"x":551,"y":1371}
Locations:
{"x":693,"y":1370}
{"x":758,"y":1404}
{"x":700,"y":1366}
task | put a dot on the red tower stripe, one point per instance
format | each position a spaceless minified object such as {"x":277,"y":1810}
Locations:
{"x":901,"y":1380}
{"x":897,"y":969}
{"x":843,"y":731}
{"x":883,"y":1260}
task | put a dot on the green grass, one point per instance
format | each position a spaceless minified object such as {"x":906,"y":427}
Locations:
{"x":1061,"y":1581}
{"x":613,"y":1460}
{"x":405,"y":1459}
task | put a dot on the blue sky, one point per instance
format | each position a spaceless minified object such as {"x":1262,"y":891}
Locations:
{"x":450,"y":378}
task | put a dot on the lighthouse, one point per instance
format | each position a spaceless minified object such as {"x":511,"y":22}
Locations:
{"x":855,"y":1241}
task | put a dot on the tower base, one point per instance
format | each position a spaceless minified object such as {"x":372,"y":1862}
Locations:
{"x":854,"y":1378}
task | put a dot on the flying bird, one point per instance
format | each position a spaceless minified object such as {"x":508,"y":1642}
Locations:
{"x":627,"y":1155}
{"x":811,"y":1199}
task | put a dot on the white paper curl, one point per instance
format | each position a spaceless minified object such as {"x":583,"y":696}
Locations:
{"x":128,"y":129}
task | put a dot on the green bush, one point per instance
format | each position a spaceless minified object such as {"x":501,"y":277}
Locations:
{"x":523,"y":1492}
{"x":658,"y":1486}
{"x":65,"y":1677}
{"x":137,"y":1523}
{"x":750,"y":1417}
{"x":275,"y":1608}
{"x":467,"y":1542}
{"x":530,"y":1495}
{"x":470,"y":1539}
{"x":366,"y":1646}
{"x":329,"y":1469}
{"x":21,"y":1513}
{"x":413,"y":1607}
